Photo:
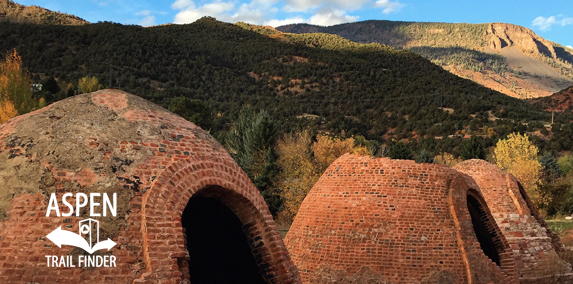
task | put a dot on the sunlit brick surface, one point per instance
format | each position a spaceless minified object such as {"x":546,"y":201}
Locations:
{"x":535,"y":246}
{"x":393,"y":221}
{"x":111,"y":141}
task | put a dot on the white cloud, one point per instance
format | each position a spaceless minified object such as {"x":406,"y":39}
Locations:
{"x":147,"y":21}
{"x":143,"y":13}
{"x":317,"y":12}
{"x":307,"y":5}
{"x":545,"y":23}
{"x":570,"y":46}
{"x":189,"y":12}
{"x":102,"y":3}
{"x":326,"y":17}
{"x":288,"y":21}
{"x":389,"y":6}
{"x":331,"y":17}
{"x":254,"y":12}
{"x":148,"y":17}
{"x":182,"y":4}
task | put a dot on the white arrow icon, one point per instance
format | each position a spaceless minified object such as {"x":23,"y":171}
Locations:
{"x":61,"y":237}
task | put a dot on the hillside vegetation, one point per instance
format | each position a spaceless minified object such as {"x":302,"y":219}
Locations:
{"x":479,"y":52}
{"x":285,"y":106}
{"x":559,"y":102}
{"x":321,"y":81}
{"x":16,"y":13}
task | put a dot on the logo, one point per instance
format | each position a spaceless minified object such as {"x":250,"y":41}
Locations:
{"x":88,"y":236}
{"x":61,"y":237}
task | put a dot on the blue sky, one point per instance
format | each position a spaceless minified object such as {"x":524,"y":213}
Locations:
{"x":551,"y":19}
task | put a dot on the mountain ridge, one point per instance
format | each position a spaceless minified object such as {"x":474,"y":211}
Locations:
{"x":559,"y":102}
{"x":394,"y":93}
{"x":16,"y":13}
{"x":537,"y":67}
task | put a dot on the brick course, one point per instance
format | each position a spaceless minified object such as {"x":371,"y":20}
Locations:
{"x":111,"y":141}
{"x":393,"y":221}
{"x":536,"y":248}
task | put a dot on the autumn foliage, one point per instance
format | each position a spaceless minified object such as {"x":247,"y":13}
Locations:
{"x":89,"y":84}
{"x":517,"y":155}
{"x":302,"y":162}
{"x":15,"y":89}
{"x":447,"y":159}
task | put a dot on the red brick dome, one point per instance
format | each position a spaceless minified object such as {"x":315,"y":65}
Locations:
{"x":174,"y":183}
{"x":535,"y":246}
{"x":394,"y":221}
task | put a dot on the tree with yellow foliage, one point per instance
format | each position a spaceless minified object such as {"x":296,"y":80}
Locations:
{"x":447,"y":159}
{"x":7,"y":111}
{"x":518,"y":156}
{"x":15,"y":88}
{"x":327,"y":149}
{"x":298,"y":172}
{"x":89,"y":84}
{"x":302,"y":164}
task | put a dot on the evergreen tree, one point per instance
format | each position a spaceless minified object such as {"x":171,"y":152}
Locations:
{"x":473,"y":148}
{"x":250,"y":142}
{"x":195,"y":111}
{"x":424,"y":157}
{"x":400,"y":151}
{"x":50,"y":85}
{"x":550,"y":166}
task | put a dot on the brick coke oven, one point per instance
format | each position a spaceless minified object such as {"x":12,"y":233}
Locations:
{"x":535,"y":246}
{"x":394,"y":221}
{"x":185,"y":210}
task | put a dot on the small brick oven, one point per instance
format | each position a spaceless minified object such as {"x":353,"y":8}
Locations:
{"x":535,"y":246}
{"x":393,"y":221}
{"x":182,"y":200}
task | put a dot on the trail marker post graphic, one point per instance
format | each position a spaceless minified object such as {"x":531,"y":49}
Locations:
{"x":61,"y":237}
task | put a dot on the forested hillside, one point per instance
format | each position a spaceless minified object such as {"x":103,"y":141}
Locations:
{"x":559,"y":102}
{"x":16,"y":13}
{"x":285,"y":106}
{"x":505,"y":57}
{"x":371,"y":90}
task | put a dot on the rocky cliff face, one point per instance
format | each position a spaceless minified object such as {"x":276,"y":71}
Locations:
{"x":16,"y":13}
{"x":536,"y":67}
{"x":500,"y":35}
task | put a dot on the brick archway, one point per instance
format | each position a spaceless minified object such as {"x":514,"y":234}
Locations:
{"x":165,"y":252}
{"x":475,"y":258}
{"x":501,"y":247}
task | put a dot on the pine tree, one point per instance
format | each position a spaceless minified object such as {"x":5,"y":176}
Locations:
{"x":550,"y":166}
{"x":473,"y":148}
{"x":400,"y":151}
{"x":424,"y":157}
{"x":195,"y":111}
{"x":250,"y":142}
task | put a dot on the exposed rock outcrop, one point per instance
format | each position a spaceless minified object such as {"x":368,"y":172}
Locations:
{"x":501,"y":35}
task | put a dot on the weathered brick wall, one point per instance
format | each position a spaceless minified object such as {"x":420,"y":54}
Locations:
{"x":393,"y":221}
{"x":534,"y":245}
{"x":111,"y":141}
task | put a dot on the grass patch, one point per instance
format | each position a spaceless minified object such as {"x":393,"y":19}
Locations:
{"x":283,"y":232}
{"x":560,"y":227}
